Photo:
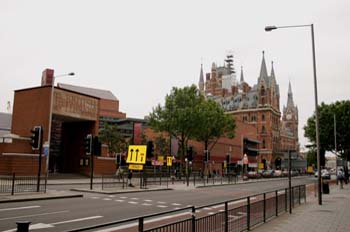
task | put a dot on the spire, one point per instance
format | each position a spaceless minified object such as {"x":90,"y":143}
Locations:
{"x":272,"y":71}
{"x":201,"y":77}
{"x":263,"y":69}
{"x":242,"y":78}
{"x":290,"y":102}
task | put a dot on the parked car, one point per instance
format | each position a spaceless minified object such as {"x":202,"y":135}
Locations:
{"x":325,"y":174}
{"x":253,"y":175}
{"x":277,"y":173}
{"x":268,"y":173}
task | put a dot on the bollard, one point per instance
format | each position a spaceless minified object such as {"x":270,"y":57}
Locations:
{"x":23,"y":226}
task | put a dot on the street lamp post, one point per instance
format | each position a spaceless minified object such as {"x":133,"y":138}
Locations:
{"x":50,"y":120}
{"x":270,"y":28}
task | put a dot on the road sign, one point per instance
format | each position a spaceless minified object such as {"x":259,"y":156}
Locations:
{"x":169,"y":161}
{"x":137,"y":154}
{"x":160,"y":158}
{"x":135,"y":167}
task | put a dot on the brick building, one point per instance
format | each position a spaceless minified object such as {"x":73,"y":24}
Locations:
{"x":257,"y":106}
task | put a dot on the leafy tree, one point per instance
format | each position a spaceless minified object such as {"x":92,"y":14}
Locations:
{"x":341,"y":111}
{"x":178,"y":116}
{"x":162,"y":145}
{"x":213,"y":123}
{"x":110,"y":135}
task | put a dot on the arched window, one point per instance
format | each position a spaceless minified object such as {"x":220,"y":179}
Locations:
{"x":263,"y":144}
{"x":263,"y":130}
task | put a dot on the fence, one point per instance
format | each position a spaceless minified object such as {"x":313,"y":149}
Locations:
{"x":16,"y":184}
{"x":234,"y":215}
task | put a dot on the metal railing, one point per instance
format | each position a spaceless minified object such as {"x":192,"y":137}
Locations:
{"x":235,"y":215}
{"x":16,"y":184}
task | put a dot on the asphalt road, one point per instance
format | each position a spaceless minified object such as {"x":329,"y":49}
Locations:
{"x":94,"y":208}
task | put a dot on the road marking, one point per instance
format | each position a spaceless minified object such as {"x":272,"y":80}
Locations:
{"x":123,"y":197}
{"x":33,"y":215}
{"x":162,"y":206}
{"x":95,"y":197}
{"x":207,"y":208}
{"x":24,"y":207}
{"x":77,"y":220}
{"x":146,"y":204}
{"x":134,"y":198}
{"x":161,"y":202}
{"x":148,"y":221}
{"x":111,"y":196}
{"x":148,"y":200}
{"x":106,"y":199}
{"x":119,"y":200}
{"x":175,"y":204}
{"x":133,"y":202}
{"x":211,"y":213}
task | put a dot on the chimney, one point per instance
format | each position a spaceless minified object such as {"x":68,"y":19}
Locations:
{"x":47,"y":77}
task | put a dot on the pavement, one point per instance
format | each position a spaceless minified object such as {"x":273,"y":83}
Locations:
{"x":332,"y":215}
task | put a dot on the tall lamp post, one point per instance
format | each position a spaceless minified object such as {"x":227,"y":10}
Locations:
{"x":270,"y":28}
{"x":50,"y":119}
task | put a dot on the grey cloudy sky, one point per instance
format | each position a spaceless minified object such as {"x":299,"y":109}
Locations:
{"x":140,"y":49}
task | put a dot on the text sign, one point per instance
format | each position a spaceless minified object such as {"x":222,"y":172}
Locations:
{"x":169,"y":161}
{"x":137,"y":154}
{"x":135,"y":167}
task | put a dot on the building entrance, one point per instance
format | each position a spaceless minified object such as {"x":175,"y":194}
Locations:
{"x":67,"y":145}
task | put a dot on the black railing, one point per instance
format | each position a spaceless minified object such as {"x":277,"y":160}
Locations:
{"x":16,"y":184}
{"x":235,"y":215}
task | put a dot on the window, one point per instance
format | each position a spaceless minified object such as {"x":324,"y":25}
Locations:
{"x":253,"y":118}
{"x":263,"y":117}
{"x":263,"y":130}
{"x":245,"y":118}
{"x":263,"y":144}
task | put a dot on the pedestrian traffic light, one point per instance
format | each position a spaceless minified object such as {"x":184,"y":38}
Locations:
{"x":228,"y":158}
{"x":97,"y":146}
{"x":36,"y":137}
{"x":88,"y":144}
{"x":150,"y":149}
{"x":206,"y":155}
{"x":190,"y":153}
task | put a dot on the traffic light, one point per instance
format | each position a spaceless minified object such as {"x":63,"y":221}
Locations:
{"x":36,"y":137}
{"x":228,"y":158}
{"x":190,"y":153}
{"x":88,"y":144}
{"x":150,"y":149}
{"x":96,"y":145}
{"x":206,"y":155}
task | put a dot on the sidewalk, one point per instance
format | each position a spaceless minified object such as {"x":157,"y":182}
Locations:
{"x":332,"y":215}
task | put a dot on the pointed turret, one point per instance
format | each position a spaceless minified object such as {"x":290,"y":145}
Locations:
{"x":201,"y":80}
{"x":290,"y":102}
{"x":242,"y":78}
{"x":263,"y":69}
{"x":272,"y":71}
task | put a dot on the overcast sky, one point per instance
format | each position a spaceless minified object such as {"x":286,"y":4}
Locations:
{"x":139,"y":50}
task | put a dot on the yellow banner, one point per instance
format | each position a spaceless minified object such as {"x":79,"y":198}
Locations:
{"x":137,"y":154}
{"x":135,"y":167}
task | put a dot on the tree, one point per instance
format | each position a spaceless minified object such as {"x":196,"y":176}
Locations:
{"x":178,"y":116}
{"x":110,"y":135}
{"x":341,"y":111}
{"x":162,"y":145}
{"x":213,"y":123}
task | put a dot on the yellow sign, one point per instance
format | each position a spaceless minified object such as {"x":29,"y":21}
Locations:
{"x":169,"y":161}
{"x":261,"y":165}
{"x":135,"y":167}
{"x":160,"y":158}
{"x":225,"y":164}
{"x":137,"y":154}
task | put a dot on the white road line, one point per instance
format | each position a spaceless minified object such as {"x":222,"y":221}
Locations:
{"x":146,"y":204}
{"x":207,"y":208}
{"x":162,"y":206}
{"x":211,"y":213}
{"x":134,"y":198}
{"x":147,"y":221}
{"x":106,"y":199}
{"x":133,"y":202}
{"x":161,"y":202}
{"x":34,"y":215}
{"x":148,"y":200}
{"x":24,"y":207}
{"x":175,"y":204}
{"x":111,"y":196}
{"x":123,"y":197}
{"x":95,"y":197}
{"x":77,"y":220}
{"x":119,"y":200}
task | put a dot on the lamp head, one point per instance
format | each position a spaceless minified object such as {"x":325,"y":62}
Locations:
{"x":270,"y":28}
